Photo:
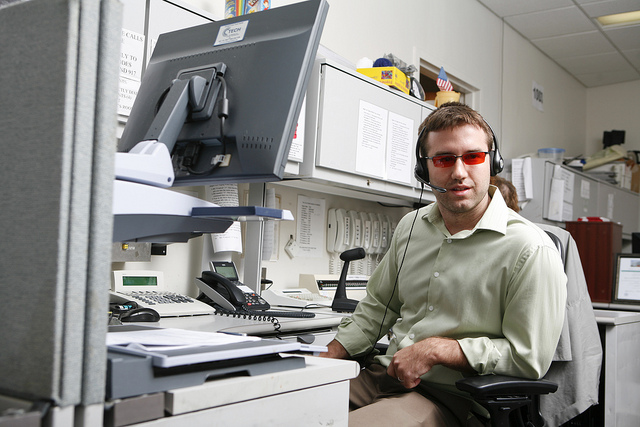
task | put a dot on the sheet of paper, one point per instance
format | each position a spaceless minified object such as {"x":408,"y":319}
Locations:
{"x":610,"y":205}
{"x":371,"y":140}
{"x":131,"y":57}
{"x":310,"y":227}
{"x":269,"y":235}
{"x":296,"y":152}
{"x":225,"y":195}
{"x":556,"y":200}
{"x":173,"y":338}
{"x":585,"y":189}
{"x":569,"y":179}
{"x":399,"y":148}
{"x":522,"y":178}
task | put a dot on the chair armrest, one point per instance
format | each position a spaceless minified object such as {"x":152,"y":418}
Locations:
{"x":503,"y":385}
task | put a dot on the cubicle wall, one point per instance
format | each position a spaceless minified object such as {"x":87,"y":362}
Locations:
{"x":58,"y":122}
{"x":578,"y":195}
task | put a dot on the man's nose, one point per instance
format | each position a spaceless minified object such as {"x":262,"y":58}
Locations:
{"x":458,"y":169}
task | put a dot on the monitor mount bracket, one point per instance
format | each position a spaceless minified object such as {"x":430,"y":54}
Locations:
{"x":149,"y":161}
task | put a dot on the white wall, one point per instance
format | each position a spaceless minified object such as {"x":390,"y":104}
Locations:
{"x":525,"y":129}
{"x":613,"y":107}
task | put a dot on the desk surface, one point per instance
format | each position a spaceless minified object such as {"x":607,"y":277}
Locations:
{"x":612,"y":317}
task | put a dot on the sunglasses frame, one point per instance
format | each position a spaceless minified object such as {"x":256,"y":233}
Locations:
{"x":437,"y":160}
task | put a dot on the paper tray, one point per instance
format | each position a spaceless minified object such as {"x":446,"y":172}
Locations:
{"x":130,"y":375}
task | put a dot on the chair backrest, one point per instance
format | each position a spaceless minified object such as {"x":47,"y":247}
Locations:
{"x":578,"y":358}
{"x":556,"y":240}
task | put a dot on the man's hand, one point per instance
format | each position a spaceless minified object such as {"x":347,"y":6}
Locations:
{"x":410,"y":363}
{"x":335,"y":350}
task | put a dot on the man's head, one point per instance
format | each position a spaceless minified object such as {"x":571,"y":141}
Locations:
{"x":450,"y":115}
{"x":455,"y":142}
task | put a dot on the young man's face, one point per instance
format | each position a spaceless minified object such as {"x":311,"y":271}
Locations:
{"x":466,"y":184}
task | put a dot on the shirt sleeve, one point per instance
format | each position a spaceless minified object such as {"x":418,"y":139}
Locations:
{"x":533,"y":317}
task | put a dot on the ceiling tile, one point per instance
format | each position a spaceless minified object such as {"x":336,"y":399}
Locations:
{"x":608,"y":7}
{"x":601,"y":79}
{"x":600,"y":63}
{"x":633,"y":56}
{"x":624,"y":37}
{"x":567,"y":32}
{"x":551,"y":23}
{"x":589,"y":43}
{"x":504,"y":8}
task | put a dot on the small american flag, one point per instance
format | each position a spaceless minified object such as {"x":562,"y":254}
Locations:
{"x":443,"y":82}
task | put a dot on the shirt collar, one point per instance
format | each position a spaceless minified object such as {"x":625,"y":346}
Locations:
{"x":494,"y":219}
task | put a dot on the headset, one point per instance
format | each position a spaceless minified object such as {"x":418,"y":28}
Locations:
{"x":422,"y":173}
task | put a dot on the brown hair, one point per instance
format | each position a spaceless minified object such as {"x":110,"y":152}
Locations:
{"x":508,"y":191}
{"x":452,"y":115}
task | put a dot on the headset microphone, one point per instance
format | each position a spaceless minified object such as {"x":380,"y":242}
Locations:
{"x":438,"y":189}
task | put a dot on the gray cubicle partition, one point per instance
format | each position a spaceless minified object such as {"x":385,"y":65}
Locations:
{"x":58,"y":71}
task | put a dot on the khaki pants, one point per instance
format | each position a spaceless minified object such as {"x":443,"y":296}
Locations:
{"x":376,"y":399}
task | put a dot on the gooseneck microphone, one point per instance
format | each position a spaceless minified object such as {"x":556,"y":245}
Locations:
{"x":341,"y":303}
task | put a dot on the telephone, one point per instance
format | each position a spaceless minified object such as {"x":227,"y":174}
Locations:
{"x":227,"y":292}
{"x":230,"y":296}
{"x":148,"y":290}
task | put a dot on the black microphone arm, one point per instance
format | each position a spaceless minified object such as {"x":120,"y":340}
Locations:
{"x":341,"y":303}
{"x":438,"y":189}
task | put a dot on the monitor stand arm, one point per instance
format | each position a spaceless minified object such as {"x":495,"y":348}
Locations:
{"x":149,"y":162}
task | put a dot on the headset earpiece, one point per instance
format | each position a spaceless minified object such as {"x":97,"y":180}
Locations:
{"x":421,"y":172}
{"x":497,"y":162}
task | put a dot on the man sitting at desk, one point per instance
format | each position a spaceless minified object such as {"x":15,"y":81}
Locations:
{"x":467,"y":287}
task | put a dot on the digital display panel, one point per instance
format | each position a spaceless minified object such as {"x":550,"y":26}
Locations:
{"x":139,"y":281}
{"x":228,"y":271}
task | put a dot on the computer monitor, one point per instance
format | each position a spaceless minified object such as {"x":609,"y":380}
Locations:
{"x":259,"y":64}
{"x":635,"y":242}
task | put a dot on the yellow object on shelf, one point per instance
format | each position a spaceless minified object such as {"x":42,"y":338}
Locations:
{"x":445,"y":96}
{"x":391,"y":76}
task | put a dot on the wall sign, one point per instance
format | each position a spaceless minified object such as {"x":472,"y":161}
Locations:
{"x":537,"y":97}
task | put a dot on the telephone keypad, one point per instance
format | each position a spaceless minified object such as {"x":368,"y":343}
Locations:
{"x":253,"y":299}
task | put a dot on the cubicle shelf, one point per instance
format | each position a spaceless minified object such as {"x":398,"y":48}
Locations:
{"x":336,"y":99}
{"x":144,"y":213}
{"x":164,"y":228}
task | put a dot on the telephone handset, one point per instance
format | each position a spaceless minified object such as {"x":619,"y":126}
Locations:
{"x":229,"y":295}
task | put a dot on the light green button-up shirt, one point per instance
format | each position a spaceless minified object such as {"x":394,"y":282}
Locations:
{"x":499,"y":289}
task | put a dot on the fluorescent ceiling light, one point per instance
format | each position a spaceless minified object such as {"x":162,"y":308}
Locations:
{"x":619,"y":19}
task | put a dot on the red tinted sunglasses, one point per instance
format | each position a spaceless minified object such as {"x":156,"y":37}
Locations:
{"x":448,"y":160}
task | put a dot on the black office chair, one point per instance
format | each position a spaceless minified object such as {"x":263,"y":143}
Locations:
{"x":511,"y":401}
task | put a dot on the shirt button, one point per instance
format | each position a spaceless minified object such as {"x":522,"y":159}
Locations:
{"x":448,"y":240}
{"x":430,"y":308}
{"x":436,"y":274}
{"x":411,"y":336}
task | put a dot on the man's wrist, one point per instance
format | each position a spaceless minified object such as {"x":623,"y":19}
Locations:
{"x":335,"y":350}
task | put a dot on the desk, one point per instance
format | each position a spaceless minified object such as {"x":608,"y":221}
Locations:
{"x":315,"y":395}
{"x":620,"y":333}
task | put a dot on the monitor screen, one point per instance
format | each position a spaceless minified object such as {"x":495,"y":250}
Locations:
{"x":635,"y":242}
{"x":626,"y":286}
{"x":258,"y":65}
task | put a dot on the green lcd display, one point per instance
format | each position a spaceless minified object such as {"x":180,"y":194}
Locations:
{"x":139,"y":281}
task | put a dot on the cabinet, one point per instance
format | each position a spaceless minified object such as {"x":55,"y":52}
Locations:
{"x":347,"y":113}
{"x":598,"y":243}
